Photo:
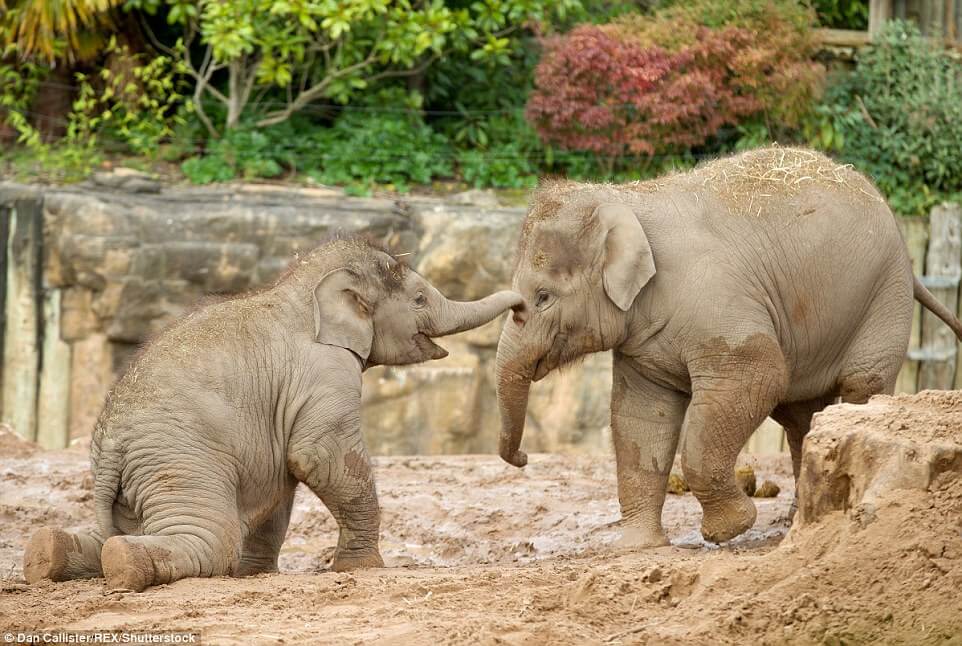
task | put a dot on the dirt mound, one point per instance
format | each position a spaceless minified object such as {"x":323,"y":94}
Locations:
{"x":484,"y":553}
{"x":14,"y":446}
{"x":875,"y":553}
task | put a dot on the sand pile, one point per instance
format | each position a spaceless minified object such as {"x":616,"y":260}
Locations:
{"x":875,"y":552}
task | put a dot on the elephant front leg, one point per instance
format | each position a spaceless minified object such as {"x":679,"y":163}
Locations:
{"x":646,"y":421}
{"x":335,"y":465}
{"x":732,"y":393}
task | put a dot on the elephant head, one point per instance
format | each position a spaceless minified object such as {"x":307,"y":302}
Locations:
{"x":368,"y":302}
{"x":582,"y":260}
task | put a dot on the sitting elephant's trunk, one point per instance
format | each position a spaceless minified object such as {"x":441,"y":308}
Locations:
{"x":455,"y":316}
{"x":513,"y":376}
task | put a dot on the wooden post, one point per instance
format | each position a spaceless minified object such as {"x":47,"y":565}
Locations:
{"x":769,"y":438}
{"x":21,"y":338}
{"x":915,"y":231}
{"x":53,"y":401}
{"x":879,"y":11}
{"x":943,"y":269}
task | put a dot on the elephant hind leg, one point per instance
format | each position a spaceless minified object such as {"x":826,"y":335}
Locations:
{"x":176,"y":544}
{"x":871,"y":363}
{"x":57,"y":555}
{"x":796,"y":418}
{"x":263,"y":545}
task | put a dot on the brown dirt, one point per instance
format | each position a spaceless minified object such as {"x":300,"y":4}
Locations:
{"x":481,"y":552}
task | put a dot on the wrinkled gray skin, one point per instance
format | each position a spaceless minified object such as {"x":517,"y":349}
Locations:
{"x":721,"y":309}
{"x":200,"y":446}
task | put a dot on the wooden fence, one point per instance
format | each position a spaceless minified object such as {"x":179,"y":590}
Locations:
{"x":937,"y":19}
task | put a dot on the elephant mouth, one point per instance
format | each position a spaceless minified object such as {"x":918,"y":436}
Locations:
{"x":541,"y":369}
{"x":429,"y":348}
{"x":552,"y":359}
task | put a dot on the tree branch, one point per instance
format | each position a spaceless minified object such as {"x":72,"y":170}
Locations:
{"x":313,"y":92}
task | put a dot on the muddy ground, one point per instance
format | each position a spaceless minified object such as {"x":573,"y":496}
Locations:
{"x":480,"y":552}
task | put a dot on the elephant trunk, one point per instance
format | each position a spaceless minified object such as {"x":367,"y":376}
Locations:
{"x":455,"y":316}
{"x":513,"y":376}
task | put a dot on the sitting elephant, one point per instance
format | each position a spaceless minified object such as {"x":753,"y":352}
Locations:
{"x":201,"y":444}
{"x":767,"y":283}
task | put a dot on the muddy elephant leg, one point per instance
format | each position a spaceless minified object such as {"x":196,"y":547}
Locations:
{"x":732,"y":392}
{"x":646,"y":420}
{"x":334,"y":463}
{"x":58,"y":555}
{"x":188,"y":532}
{"x":796,"y":418}
{"x":263,"y":545}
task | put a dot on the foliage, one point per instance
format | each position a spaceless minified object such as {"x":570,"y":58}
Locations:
{"x":56,"y":29}
{"x":507,"y":156}
{"x":394,"y":148}
{"x":842,"y":14}
{"x":363,"y":147}
{"x":18,"y":83}
{"x":666,"y":84}
{"x":898,"y":117}
{"x":135,"y":106}
{"x":307,"y":50}
{"x":132,"y":109}
{"x":73,"y":156}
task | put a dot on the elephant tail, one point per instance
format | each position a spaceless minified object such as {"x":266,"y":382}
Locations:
{"x":932,"y":304}
{"x":106,"y":484}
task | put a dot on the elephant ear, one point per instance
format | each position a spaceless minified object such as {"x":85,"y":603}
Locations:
{"x":342,"y":316}
{"x":629,"y":264}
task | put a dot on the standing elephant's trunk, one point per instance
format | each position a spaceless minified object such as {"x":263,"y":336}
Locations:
{"x":455,"y":316}
{"x":513,"y":376}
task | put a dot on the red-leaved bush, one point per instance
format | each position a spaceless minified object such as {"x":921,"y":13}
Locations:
{"x":615,"y":90}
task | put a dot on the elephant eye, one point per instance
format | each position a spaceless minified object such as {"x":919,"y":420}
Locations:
{"x":420,"y":300}
{"x":541,"y":298}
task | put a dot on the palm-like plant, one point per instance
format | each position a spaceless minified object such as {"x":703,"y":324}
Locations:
{"x":71,"y":30}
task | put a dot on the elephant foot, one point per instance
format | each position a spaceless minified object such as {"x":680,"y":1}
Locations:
{"x":46,"y":555}
{"x":126,"y":565}
{"x":641,"y":537}
{"x":345,"y":563}
{"x":723,"y":521}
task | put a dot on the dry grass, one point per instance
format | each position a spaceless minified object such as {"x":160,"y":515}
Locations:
{"x":748,"y":180}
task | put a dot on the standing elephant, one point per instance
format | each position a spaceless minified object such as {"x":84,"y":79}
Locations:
{"x":201,"y":444}
{"x":767,"y":283}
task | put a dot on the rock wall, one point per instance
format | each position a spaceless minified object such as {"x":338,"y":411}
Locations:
{"x":92,"y":272}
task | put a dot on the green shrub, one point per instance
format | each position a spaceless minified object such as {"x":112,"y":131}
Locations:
{"x":842,"y":14}
{"x":18,"y":85}
{"x":364,"y":146}
{"x":251,"y":152}
{"x":500,"y":151}
{"x":898,"y":117}
{"x":205,"y":170}
{"x":395,"y":148}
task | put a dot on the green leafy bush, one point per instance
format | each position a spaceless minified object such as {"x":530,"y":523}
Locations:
{"x":898,"y":117}
{"x":209,"y":169}
{"x":363,"y":148}
{"x":842,"y":14}
{"x":500,"y":151}
{"x":18,"y":84}
{"x":250,"y":152}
